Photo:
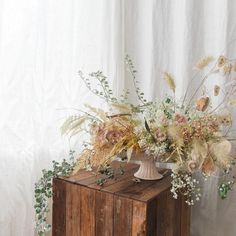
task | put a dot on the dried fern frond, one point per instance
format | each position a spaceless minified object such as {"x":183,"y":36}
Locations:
{"x":99,"y":112}
{"x":82,"y":161}
{"x":101,"y":156}
{"x":170,"y":81}
{"x":73,"y":123}
{"x":126,"y":108}
{"x":203,"y":62}
{"x":66,"y":124}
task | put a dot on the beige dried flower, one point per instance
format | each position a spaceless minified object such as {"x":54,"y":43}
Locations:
{"x":221,"y":151}
{"x":203,"y":62}
{"x":216,"y":90}
{"x":192,"y":166}
{"x":170,"y":81}
{"x":225,"y":119}
{"x":227,"y":69}
{"x":221,"y":61}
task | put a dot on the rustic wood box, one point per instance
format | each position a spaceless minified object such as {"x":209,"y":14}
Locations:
{"x":120,"y":207}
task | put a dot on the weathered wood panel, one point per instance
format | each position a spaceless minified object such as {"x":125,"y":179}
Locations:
{"x":123,"y":208}
{"x":59,"y":208}
{"x":104,"y":214}
{"x":185,"y":217}
{"x":73,"y":210}
{"x":87,"y":212}
{"x":120,"y":207}
{"x":139,"y":219}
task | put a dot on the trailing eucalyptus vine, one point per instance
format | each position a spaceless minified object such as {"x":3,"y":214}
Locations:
{"x":43,"y":191}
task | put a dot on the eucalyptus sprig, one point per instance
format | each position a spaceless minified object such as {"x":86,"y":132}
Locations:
{"x":133,"y":73}
{"x":103,"y":89}
{"x":43,"y":191}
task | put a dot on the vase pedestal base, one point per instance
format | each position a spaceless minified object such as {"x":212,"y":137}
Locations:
{"x":148,"y":170}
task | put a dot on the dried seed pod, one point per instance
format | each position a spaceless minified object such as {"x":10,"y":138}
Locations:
{"x":202,"y":103}
{"x":216,"y":90}
{"x":227,"y":69}
{"x":221,"y":61}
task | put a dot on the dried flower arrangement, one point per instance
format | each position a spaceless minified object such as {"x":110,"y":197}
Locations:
{"x":190,"y":132}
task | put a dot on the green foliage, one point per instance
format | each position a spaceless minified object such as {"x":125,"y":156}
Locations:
{"x":43,"y":191}
{"x":133,"y":73}
{"x":103,"y":89}
{"x":226,"y":186}
{"x":224,"y":189}
{"x":108,"y":173}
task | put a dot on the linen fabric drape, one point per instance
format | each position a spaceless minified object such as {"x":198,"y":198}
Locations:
{"x":43,"y":43}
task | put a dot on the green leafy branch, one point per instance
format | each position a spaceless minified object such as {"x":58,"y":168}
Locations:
{"x":106,"y":93}
{"x":226,"y":186}
{"x":43,"y":191}
{"x":133,"y":73}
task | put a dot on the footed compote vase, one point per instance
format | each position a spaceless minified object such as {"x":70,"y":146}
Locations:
{"x":147,"y":169}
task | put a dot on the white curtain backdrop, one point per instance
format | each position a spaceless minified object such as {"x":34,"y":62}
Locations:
{"x":43,"y":43}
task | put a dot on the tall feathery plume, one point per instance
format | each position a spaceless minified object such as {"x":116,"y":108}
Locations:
{"x":170,"y":81}
{"x":203,"y":62}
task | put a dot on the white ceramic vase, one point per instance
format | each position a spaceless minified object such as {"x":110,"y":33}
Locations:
{"x":148,"y":169}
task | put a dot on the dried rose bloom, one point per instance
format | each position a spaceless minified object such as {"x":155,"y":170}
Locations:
{"x":160,"y":135}
{"x":180,"y":119}
{"x":113,"y":136}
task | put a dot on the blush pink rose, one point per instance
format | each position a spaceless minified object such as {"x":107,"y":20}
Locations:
{"x":180,"y":119}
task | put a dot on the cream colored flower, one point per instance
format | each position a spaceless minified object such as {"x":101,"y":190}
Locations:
{"x":225,"y":119}
{"x":218,"y":154}
{"x":197,"y":156}
{"x":193,"y":166}
{"x":221,"y":151}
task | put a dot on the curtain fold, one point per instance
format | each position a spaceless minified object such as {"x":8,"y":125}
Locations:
{"x":43,"y":43}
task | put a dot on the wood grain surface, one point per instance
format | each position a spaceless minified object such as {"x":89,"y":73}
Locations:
{"x":121,"y":207}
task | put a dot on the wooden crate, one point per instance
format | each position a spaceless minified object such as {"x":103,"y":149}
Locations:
{"x":120,"y":207}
